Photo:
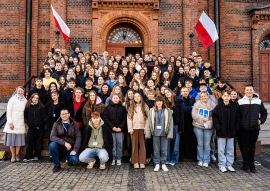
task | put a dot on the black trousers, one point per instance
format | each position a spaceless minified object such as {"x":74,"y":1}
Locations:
{"x":34,"y":141}
{"x":248,"y":143}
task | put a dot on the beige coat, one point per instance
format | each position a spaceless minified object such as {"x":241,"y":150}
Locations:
{"x":138,"y":121}
{"x":150,"y":124}
{"x":197,"y":118}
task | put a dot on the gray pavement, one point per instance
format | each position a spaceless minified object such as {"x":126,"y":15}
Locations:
{"x":183,"y":176}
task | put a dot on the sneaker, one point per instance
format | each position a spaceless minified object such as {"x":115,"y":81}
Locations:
{"x":35,"y":158}
{"x":91,"y":164}
{"x":231,"y":169}
{"x":172,"y":163}
{"x":156,"y":168}
{"x":102,"y":166}
{"x":222,"y":169}
{"x":199,"y":163}
{"x":164,"y":168}
{"x":148,"y":160}
{"x":136,"y":165}
{"x":113,"y":162}
{"x":213,"y":158}
{"x":142,"y":166}
{"x":167,"y":162}
{"x":257,"y":163}
{"x":118,"y":162}
{"x":56,"y":169}
{"x":27,"y":160}
{"x":205,"y":165}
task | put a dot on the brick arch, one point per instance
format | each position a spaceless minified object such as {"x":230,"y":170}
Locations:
{"x":257,"y":36}
{"x":137,"y":20}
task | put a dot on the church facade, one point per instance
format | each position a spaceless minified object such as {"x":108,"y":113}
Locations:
{"x":128,"y":26}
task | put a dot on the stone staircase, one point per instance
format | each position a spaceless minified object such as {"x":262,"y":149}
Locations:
{"x":265,"y":128}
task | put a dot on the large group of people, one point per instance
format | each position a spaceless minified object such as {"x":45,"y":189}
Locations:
{"x":97,"y":107}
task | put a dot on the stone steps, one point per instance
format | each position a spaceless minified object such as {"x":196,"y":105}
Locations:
{"x":265,"y":128}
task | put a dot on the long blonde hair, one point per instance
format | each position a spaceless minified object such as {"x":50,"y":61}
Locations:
{"x":132,"y":108}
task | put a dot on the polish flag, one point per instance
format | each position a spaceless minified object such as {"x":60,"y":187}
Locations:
{"x":206,"y":30}
{"x":61,"y":25}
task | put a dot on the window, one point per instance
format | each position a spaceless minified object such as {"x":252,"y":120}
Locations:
{"x":124,"y":35}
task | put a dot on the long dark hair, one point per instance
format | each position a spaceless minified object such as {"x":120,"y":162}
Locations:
{"x":92,"y":105}
{"x":160,"y":98}
{"x":28,"y":103}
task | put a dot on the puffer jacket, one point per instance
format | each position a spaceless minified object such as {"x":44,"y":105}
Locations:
{"x":150,"y":123}
{"x":72,"y":135}
{"x":226,"y":119}
{"x":15,"y":115}
{"x":198,"y":119}
{"x":34,"y":116}
{"x":138,"y":121}
{"x":250,"y":112}
{"x":87,"y":110}
{"x":115,"y":115}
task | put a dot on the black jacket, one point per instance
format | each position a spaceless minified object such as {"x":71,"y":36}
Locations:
{"x":34,"y":117}
{"x":149,"y":103}
{"x":115,"y":115}
{"x":103,"y":97}
{"x":52,"y":113}
{"x":226,"y":119}
{"x":251,"y":111}
{"x":107,"y":138}
{"x":178,"y":113}
{"x":124,"y":90}
{"x":41,"y":92}
{"x":67,"y":94}
{"x":195,"y":81}
{"x":72,"y":135}
{"x":56,"y":75}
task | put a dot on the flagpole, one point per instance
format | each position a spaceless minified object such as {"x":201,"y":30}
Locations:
{"x":217,"y":43}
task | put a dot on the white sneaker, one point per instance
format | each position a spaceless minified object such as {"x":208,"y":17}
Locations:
{"x":199,"y":163}
{"x":164,"y":168}
{"x":213,"y":158}
{"x":113,"y":162}
{"x":102,"y":166}
{"x":156,"y":168}
{"x":118,"y":162}
{"x":222,"y":169}
{"x":231,"y":169}
{"x":205,"y":165}
{"x":91,"y":164}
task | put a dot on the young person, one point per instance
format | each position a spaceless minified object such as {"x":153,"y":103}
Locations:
{"x":34,"y":117}
{"x":115,"y":117}
{"x":39,"y":89}
{"x":121,"y":81}
{"x":226,"y":121}
{"x":203,"y":127}
{"x":104,"y":93}
{"x":221,"y":86}
{"x":96,"y":141}
{"x":128,"y":99}
{"x":67,"y":93}
{"x":88,"y":87}
{"x":112,"y":79}
{"x":93,"y":104}
{"x":136,"y":120}
{"x":160,"y":125}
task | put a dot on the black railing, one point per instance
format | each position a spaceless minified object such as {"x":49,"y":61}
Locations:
{"x":27,"y":86}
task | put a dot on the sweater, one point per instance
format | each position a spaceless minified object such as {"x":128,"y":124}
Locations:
{"x":138,"y":121}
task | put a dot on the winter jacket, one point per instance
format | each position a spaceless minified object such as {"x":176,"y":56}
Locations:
{"x":115,"y":115}
{"x":150,"y":123}
{"x":67,"y":94}
{"x":77,"y":116}
{"x":41,"y":92}
{"x":15,"y":115}
{"x":107,"y":138}
{"x":34,"y":117}
{"x":51,"y":115}
{"x":217,"y":92}
{"x":138,"y":121}
{"x":149,"y":103}
{"x":150,"y":65}
{"x":163,"y":67}
{"x":79,"y":80}
{"x":195,"y":81}
{"x":103,"y":97}
{"x":124,"y":89}
{"x":198,"y":119}
{"x":56,"y":75}
{"x":226,"y":119}
{"x":87,"y":110}
{"x":211,"y":97}
{"x":178,"y":115}
{"x":251,"y":111}
{"x":72,"y":135}
{"x":187,"y":107}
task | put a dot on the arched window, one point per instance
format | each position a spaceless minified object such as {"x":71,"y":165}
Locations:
{"x":265,"y":44}
{"x":124,"y":35}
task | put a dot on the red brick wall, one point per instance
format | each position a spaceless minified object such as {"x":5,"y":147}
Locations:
{"x":166,"y":30}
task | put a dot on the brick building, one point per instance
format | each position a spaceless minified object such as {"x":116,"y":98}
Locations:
{"x":149,"y":25}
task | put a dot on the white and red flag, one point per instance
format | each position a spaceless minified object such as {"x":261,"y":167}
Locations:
{"x":61,"y":25}
{"x":206,"y":30}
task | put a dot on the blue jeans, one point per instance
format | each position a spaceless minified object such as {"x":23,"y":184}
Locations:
{"x":118,"y":139}
{"x":203,"y":147}
{"x":55,"y":148}
{"x":225,"y":152}
{"x":88,"y":155}
{"x":173,"y":146}
{"x":160,"y":149}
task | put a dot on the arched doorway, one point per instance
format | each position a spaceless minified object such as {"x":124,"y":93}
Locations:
{"x":124,"y":38}
{"x":265,"y":68}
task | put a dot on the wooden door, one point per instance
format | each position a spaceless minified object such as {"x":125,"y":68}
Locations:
{"x":115,"y":50}
{"x":264,"y":75}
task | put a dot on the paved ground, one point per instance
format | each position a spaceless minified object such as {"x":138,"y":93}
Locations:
{"x":184,"y":176}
